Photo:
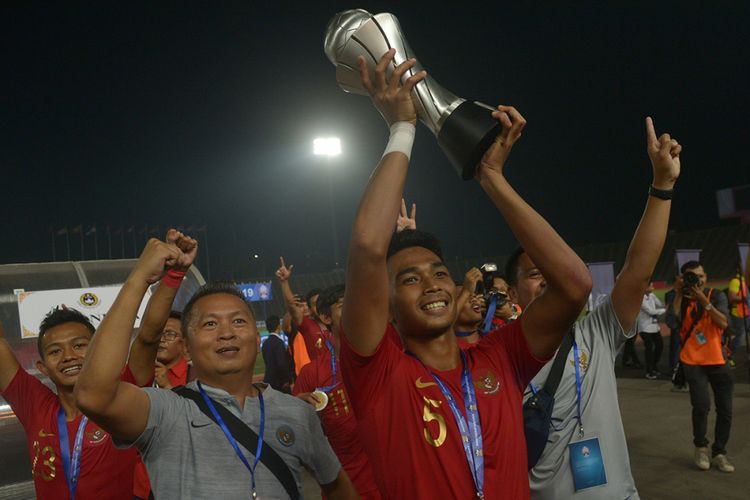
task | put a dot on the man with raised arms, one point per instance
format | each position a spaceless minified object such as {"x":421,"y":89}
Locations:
{"x":437,"y":422}
{"x":586,"y":413}
{"x":188,"y":453}
{"x":71,"y":455}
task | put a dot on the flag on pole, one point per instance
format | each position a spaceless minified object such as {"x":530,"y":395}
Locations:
{"x":62,"y":231}
{"x":91,"y":231}
{"x":77,"y":230}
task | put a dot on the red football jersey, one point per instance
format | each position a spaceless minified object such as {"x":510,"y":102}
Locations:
{"x":315,"y":336}
{"x":339,"y":423}
{"x":106,"y":472}
{"x":409,"y":431}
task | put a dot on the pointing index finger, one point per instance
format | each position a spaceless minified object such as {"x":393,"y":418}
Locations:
{"x":650,"y":132}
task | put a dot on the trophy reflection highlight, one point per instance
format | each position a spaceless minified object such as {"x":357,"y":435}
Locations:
{"x":464,"y":129}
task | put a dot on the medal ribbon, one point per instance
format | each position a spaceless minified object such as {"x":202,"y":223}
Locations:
{"x":471,"y":433}
{"x":71,"y":466}
{"x":490,"y":315}
{"x":231,"y":439}
{"x":333,"y":368}
{"x":578,"y":389}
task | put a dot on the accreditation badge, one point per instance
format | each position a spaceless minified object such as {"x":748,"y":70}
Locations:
{"x":321,"y":400}
{"x":587,"y":464}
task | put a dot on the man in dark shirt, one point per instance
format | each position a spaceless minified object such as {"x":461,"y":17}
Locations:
{"x":279,"y":370}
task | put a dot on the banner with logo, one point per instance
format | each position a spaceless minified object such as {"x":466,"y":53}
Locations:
{"x":256,"y":292}
{"x":603,"y":281}
{"x":94,"y":302}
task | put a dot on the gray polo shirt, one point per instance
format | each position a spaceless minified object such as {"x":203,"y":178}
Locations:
{"x":598,"y":336}
{"x":188,"y":457}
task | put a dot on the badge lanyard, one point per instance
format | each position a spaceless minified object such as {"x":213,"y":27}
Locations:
{"x":71,"y":466}
{"x":231,"y":439}
{"x":578,"y":389}
{"x":471,"y":433}
{"x":490,"y":315}
{"x":333,"y":368}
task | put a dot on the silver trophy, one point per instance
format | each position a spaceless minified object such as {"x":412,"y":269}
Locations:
{"x":464,"y":129}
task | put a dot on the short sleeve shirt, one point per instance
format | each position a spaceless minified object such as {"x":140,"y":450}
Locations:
{"x":339,"y":422}
{"x":106,"y":472}
{"x":410,"y":433}
{"x":188,"y":456}
{"x":598,"y":337}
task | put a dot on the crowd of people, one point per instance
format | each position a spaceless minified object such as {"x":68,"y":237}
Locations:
{"x":395,"y":384}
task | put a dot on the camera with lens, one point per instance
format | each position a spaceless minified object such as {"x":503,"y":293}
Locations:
{"x":690,"y":279}
{"x":486,"y":286}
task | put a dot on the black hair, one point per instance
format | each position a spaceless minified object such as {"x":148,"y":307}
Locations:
{"x":272,"y":323}
{"x":409,"y":238}
{"x":691,"y":264}
{"x":59,"y":316}
{"x":175,"y":315}
{"x":206,"y":290}
{"x":328,"y":297}
{"x":511,"y":266}
{"x":309,"y":295}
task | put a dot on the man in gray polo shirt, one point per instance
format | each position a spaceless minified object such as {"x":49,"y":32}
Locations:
{"x":186,"y":453}
{"x":594,"y":463}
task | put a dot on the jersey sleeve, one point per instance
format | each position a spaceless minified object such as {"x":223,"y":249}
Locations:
{"x":602,"y":325}
{"x":366,"y":376}
{"x":26,"y":394}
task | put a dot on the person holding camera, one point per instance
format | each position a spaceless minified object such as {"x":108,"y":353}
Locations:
{"x":702,"y":313}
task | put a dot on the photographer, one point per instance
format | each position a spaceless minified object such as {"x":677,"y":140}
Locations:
{"x":702,"y":315}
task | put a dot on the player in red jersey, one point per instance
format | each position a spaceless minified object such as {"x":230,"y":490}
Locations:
{"x":313,"y":330}
{"x":102,"y":471}
{"x":436,"y":421}
{"x":320,"y":384}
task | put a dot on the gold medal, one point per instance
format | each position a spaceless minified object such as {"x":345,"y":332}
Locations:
{"x":321,"y":400}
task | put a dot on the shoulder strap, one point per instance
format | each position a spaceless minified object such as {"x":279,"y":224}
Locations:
{"x":555,"y":373}
{"x":247,"y":438}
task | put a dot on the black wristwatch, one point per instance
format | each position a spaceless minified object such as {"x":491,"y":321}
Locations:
{"x":662,"y":194}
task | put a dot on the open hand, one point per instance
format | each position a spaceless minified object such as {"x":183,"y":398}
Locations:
{"x":495,"y":157}
{"x":392,"y":99}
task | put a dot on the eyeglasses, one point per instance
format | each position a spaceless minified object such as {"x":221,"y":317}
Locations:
{"x":170,"y":336}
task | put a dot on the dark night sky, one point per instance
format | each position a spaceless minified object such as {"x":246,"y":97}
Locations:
{"x":204,"y":112}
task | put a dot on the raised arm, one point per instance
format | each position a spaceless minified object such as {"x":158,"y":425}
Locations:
{"x":146,"y":344}
{"x":649,"y":237}
{"x":365,"y":313}
{"x":8,"y":362}
{"x":118,"y":407}
{"x":283,"y":273}
{"x":471,"y":278}
{"x":548,"y":317}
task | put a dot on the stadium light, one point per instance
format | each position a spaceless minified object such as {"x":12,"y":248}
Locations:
{"x":327,"y":146}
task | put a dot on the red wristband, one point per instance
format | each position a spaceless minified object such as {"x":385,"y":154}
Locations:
{"x":173,"y":279}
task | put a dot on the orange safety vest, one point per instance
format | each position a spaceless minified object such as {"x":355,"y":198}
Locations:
{"x":301,"y":357}
{"x":693,"y":352}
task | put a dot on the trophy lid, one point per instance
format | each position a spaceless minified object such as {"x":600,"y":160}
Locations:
{"x":340,"y":29}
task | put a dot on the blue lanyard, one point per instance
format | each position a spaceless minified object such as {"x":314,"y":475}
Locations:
{"x":578,"y":389}
{"x":471,"y":433}
{"x":231,"y":439}
{"x":333,"y":368}
{"x":464,"y":334}
{"x":71,"y":467}
{"x":490,"y":315}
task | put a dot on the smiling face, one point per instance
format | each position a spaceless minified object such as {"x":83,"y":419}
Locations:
{"x":222,"y":337}
{"x":64,"y":348}
{"x":422,"y":293}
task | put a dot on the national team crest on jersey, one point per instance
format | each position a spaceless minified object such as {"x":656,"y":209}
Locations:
{"x":285,"y":435}
{"x":583,"y":359}
{"x":95,"y":436}
{"x":487,"y":382}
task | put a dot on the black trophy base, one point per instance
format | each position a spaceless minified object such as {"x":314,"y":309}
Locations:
{"x":466,"y":135}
